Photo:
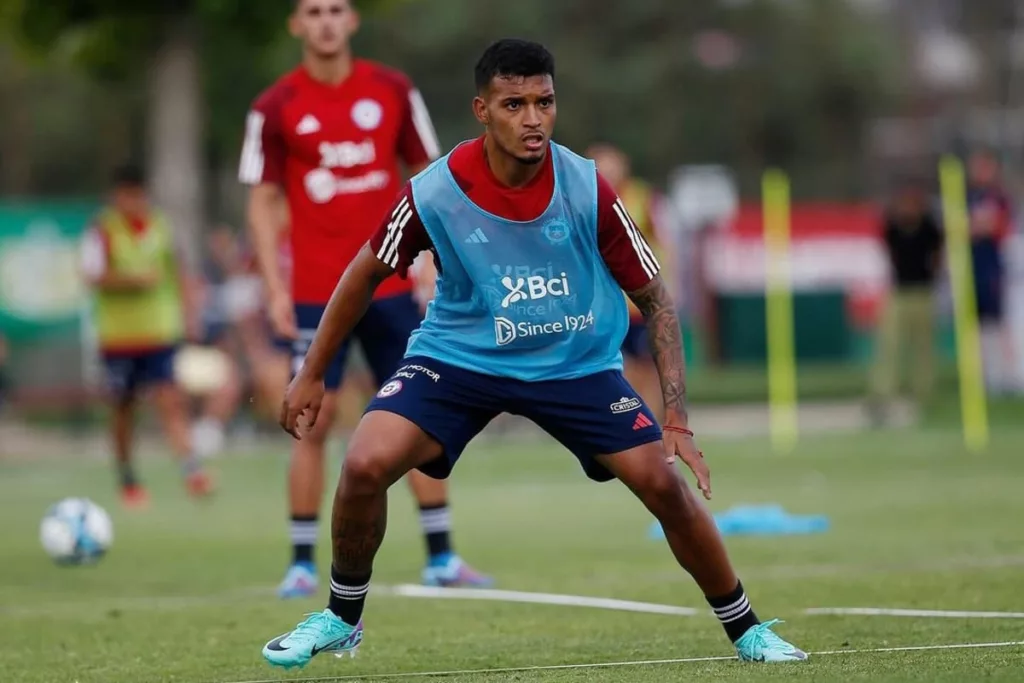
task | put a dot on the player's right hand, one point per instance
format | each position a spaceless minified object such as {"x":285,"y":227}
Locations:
{"x":303,"y":399}
{"x":282,"y":316}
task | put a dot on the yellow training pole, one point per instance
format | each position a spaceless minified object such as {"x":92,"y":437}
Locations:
{"x":973,"y":408}
{"x":779,"y":312}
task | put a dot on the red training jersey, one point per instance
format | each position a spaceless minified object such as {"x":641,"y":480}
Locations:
{"x":336,"y":151}
{"x":629,"y":257}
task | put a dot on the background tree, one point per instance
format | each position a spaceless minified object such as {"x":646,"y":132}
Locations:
{"x":738,"y":82}
{"x":157,"y":48}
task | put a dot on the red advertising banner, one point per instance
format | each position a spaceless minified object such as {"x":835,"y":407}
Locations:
{"x":834,"y":246}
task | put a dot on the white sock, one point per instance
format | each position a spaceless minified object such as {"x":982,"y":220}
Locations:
{"x":208,"y":437}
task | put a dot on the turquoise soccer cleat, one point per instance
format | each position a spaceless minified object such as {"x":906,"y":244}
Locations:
{"x":320,"y":632}
{"x":299,"y":582}
{"x":451,"y":571}
{"x":760,"y":644}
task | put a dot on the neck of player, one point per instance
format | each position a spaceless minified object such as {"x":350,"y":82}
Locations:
{"x":506,"y":168}
{"x":328,"y":70}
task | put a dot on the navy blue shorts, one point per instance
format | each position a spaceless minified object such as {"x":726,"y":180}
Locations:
{"x":215,"y":332}
{"x":989,"y":280}
{"x":635,"y":343}
{"x":988,"y":293}
{"x":599,"y":414}
{"x":127,"y":373}
{"x":383,"y":334}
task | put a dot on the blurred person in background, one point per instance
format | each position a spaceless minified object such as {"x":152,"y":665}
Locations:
{"x":268,"y":354}
{"x":639,"y":200}
{"x":228,"y":297}
{"x":327,"y":139}
{"x":990,"y":215}
{"x":130,"y":261}
{"x":913,"y":243}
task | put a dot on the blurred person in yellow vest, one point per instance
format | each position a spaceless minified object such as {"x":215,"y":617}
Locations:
{"x":640,"y":201}
{"x":130,"y":261}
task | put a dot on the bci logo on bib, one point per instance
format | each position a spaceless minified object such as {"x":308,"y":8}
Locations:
{"x":533,"y":287}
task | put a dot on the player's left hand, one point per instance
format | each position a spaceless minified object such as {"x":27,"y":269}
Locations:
{"x":682,"y":445}
{"x":304,"y":397}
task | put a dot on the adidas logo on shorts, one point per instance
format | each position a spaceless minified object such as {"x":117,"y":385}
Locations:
{"x":642,"y":422}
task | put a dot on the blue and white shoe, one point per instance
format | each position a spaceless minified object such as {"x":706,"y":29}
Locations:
{"x":320,"y":632}
{"x":760,"y":644}
{"x":299,"y":582}
{"x":450,"y":571}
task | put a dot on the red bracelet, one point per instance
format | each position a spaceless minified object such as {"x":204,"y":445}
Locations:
{"x":678,"y":430}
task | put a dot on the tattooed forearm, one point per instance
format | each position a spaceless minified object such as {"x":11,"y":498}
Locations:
{"x":666,"y":344}
{"x":356,"y":538}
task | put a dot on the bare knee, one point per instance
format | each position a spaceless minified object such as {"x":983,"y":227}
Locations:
{"x":665,"y":494}
{"x":367,"y":470}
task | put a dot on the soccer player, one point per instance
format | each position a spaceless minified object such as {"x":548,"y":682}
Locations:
{"x":533,"y":249}
{"x":130,"y":261}
{"x":326,"y":140}
{"x":638,"y":199}
{"x":991,"y":224}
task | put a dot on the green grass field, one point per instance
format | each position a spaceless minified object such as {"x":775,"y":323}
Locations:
{"x":187,"y":591}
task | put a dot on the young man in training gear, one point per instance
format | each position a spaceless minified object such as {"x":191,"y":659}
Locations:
{"x":130,"y":262}
{"x":328,"y":139}
{"x":532,"y":248}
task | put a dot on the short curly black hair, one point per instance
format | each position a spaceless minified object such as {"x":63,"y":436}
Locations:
{"x":128,"y":175}
{"x":295,"y":4}
{"x":512,"y":57}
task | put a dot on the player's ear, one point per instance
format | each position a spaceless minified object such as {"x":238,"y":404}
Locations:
{"x":353,"y":20}
{"x":480,"y":110}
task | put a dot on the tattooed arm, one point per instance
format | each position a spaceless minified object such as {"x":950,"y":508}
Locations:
{"x":666,"y":342}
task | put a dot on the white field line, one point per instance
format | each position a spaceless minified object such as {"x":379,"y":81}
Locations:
{"x":825,"y":570}
{"x":415,"y":591}
{"x":177,"y":602}
{"x":609,"y":665}
{"x":922,"y":613}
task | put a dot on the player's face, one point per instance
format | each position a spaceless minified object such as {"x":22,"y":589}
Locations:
{"x":222,"y":247}
{"x":324,"y":26}
{"x":130,"y":201}
{"x":612,"y":165}
{"x":983,"y":169}
{"x":520,"y":115}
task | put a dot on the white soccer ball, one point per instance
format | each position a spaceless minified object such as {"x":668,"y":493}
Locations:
{"x":76,"y":531}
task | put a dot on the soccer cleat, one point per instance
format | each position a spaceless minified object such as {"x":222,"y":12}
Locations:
{"x":199,"y":484}
{"x":134,"y":497}
{"x":320,"y":632}
{"x":760,"y":644}
{"x":299,"y":582}
{"x":451,"y":571}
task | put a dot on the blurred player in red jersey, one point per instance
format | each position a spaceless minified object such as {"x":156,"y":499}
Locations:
{"x":327,"y":139}
{"x":640,"y":202}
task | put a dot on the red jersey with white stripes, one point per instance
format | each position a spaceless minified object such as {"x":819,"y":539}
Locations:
{"x":624,"y":249}
{"x":336,"y":150}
